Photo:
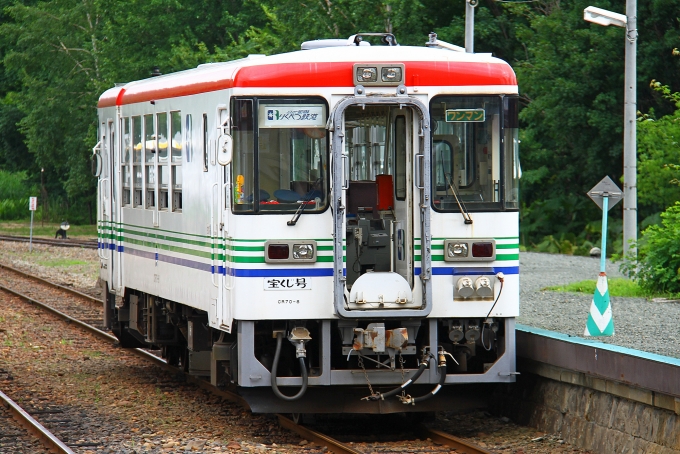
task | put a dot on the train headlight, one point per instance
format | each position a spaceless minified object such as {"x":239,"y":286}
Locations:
{"x":303,"y":251}
{"x":367,"y":74}
{"x":391,"y":74}
{"x":457,"y":250}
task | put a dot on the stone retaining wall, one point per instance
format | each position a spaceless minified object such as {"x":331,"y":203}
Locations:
{"x":602,"y":422}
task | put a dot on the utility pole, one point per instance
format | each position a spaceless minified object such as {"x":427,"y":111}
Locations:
{"x":630,"y":134}
{"x":470,"y":25}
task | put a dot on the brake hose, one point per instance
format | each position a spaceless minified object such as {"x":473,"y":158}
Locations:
{"x":414,"y":400}
{"x":275,"y":365}
{"x":406,"y":384}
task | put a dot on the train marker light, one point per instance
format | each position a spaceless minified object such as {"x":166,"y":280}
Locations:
{"x":278,"y":252}
{"x":482,"y":249}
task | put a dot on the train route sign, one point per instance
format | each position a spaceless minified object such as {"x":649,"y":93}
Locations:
{"x":606,"y":188}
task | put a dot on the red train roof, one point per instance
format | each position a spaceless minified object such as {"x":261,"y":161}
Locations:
{"x":289,"y":70}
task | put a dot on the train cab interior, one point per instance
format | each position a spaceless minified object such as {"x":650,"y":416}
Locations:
{"x":378,"y":199}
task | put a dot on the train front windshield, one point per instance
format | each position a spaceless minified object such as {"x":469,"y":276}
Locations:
{"x":280,"y":155}
{"x":468,"y":153}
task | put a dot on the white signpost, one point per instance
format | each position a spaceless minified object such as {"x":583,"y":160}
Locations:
{"x":32,"y":205}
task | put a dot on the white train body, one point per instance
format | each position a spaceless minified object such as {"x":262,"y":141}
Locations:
{"x":366,"y":210}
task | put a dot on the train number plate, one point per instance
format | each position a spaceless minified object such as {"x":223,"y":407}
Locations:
{"x":287,"y":283}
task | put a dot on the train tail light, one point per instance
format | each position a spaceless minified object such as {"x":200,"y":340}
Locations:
{"x":278,"y":251}
{"x":482,"y":249}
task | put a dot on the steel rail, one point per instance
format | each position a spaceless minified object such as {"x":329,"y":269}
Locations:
{"x":34,"y":427}
{"x":319,"y":438}
{"x":52,"y":284}
{"x":88,"y":244}
{"x":323,"y":440}
{"x":460,"y":445}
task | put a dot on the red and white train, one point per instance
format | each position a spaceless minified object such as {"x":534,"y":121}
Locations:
{"x":328,"y":230}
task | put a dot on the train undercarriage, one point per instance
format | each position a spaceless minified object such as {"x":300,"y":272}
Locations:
{"x":324,"y":366}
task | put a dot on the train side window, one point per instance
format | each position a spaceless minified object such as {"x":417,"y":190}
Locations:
{"x":205,"y":142}
{"x":244,"y":160}
{"x":162,"y":145}
{"x":176,"y":160}
{"x":400,"y":157}
{"x":125,"y":162}
{"x":150,"y":161}
{"x":137,"y":161}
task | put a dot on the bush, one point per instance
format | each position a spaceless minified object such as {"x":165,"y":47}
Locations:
{"x":14,"y":194}
{"x":658,"y":265}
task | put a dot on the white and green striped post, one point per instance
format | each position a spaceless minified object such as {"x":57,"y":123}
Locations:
{"x":600,"y":319}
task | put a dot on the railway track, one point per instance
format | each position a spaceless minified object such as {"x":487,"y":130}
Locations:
{"x":20,"y":433}
{"x":86,"y":312}
{"x":68,"y":242}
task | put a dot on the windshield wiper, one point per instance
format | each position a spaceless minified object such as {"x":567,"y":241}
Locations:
{"x":461,"y":205}
{"x":305,"y":202}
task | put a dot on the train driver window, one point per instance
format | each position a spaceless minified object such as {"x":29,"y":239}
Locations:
{"x":466,"y":155}
{"x":289,"y":156}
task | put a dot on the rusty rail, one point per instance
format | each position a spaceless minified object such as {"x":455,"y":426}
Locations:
{"x":460,"y":445}
{"x":318,"y":438}
{"x":34,"y":427}
{"x":90,"y":298}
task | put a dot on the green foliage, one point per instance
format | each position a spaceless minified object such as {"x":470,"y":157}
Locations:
{"x":14,"y":194}
{"x":58,"y":56}
{"x":617,"y":287}
{"x":658,"y":154}
{"x":658,"y":265}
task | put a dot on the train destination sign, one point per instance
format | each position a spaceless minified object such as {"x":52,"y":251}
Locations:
{"x":292,"y":116}
{"x":465,"y":115}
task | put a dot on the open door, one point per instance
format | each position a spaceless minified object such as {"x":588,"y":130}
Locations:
{"x":381,"y":170}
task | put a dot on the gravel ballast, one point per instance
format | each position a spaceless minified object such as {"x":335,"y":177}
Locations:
{"x":639,"y":323}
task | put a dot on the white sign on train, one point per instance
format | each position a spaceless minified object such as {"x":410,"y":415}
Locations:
{"x":288,"y":283}
{"x":292,"y":116}
{"x":33,"y":203}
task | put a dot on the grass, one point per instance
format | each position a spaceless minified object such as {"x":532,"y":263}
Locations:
{"x":61,"y":262}
{"x":617,"y":287}
{"x":46,"y":230}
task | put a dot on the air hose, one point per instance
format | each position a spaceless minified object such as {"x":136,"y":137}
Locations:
{"x":406,"y":384}
{"x":275,"y":365}
{"x":442,"y":378}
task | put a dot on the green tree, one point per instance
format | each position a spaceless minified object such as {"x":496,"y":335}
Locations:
{"x":659,"y":155}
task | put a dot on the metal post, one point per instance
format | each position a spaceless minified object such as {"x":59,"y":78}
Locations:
{"x":30,"y":238}
{"x":603,"y":245}
{"x":470,"y":25}
{"x":629,"y":134}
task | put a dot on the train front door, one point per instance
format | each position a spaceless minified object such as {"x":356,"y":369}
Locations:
{"x":381,"y":167}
